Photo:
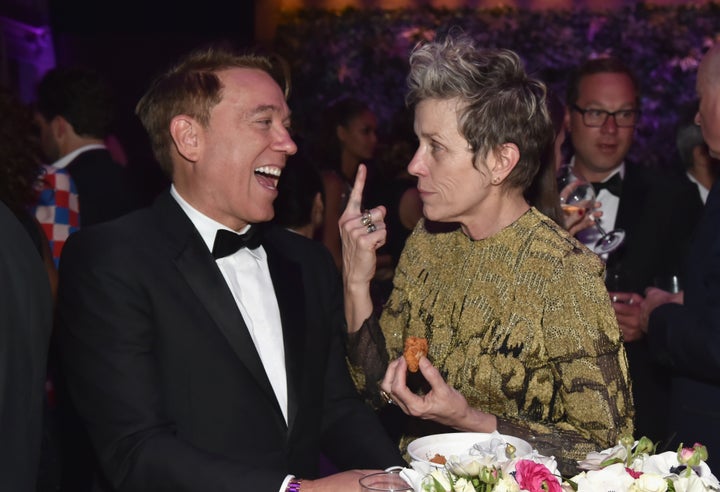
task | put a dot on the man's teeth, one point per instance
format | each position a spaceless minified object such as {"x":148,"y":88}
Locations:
{"x":269,"y":170}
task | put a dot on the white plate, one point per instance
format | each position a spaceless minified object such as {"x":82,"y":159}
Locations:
{"x":459,"y":444}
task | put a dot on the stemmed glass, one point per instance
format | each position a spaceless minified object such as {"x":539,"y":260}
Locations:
{"x":582,"y":197}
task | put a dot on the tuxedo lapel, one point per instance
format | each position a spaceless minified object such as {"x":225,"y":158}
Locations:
{"x":287,"y":282}
{"x":197,"y":267}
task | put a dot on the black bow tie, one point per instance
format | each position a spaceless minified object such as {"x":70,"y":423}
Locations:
{"x":613,"y":185}
{"x":228,"y":242}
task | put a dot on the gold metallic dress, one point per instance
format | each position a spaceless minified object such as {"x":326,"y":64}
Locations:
{"x":520,"y":323}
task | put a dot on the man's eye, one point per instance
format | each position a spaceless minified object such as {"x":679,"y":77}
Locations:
{"x":595,"y":113}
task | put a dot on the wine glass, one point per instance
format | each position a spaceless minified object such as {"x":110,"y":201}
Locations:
{"x":582,"y":198}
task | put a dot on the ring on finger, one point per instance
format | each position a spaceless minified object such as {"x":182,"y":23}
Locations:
{"x":387,"y":398}
{"x":371,"y":228}
{"x":366,"y":218}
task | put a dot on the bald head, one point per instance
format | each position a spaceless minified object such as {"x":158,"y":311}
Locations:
{"x":709,"y":70}
{"x":708,"y":90}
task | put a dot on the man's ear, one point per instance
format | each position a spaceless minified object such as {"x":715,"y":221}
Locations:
{"x":59,"y":127}
{"x":186,"y":133}
{"x":505,"y":160}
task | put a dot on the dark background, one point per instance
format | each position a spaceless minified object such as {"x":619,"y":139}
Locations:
{"x":131,"y":41}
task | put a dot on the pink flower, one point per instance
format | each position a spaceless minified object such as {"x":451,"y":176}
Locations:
{"x":535,"y":477}
{"x":692,"y":456}
{"x":633,"y":473}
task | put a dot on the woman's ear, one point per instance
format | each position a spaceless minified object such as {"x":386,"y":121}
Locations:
{"x":505,"y":160}
{"x":341,"y":133}
{"x":186,"y":133}
{"x":566,"y":120}
{"x":317,"y":213}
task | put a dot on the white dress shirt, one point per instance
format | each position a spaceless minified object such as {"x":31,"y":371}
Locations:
{"x":248,"y":277}
{"x":63,"y":162}
{"x":701,"y":189}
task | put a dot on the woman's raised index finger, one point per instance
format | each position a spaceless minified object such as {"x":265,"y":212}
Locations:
{"x":355,"y":199}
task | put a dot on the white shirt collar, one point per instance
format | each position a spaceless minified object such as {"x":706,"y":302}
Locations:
{"x":701,"y":189}
{"x":206,"y":226}
{"x":65,"y":160}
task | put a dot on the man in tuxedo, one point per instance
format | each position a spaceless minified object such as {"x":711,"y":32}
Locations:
{"x":683,"y":329}
{"x":25,"y":325}
{"x":198,"y":358}
{"x":602,"y":109}
{"x":84,"y":185}
{"x":698,"y":166}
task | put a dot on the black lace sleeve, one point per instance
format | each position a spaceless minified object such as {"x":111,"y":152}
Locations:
{"x":368,"y":360}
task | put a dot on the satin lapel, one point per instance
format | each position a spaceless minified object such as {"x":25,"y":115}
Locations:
{"x":196,"y":265}
{"x":632,"y":198}
{"x":287,"y":281}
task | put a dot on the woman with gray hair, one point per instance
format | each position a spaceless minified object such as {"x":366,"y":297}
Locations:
{"x":522,"y":337}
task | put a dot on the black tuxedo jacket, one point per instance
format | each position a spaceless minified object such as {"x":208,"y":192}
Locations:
{"x":25,"y":325}
{"x":104,"y":187}
{"x":686,"y":338}
{"x":165,"y":375}
{"x":658,"y":214}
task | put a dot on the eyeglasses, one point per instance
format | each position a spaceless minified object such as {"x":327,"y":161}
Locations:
{"x":624,"y":118}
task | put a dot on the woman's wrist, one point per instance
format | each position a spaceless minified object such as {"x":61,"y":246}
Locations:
{"x":477,"y":421}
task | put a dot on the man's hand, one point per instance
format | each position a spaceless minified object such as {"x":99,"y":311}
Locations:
{"x":347,"y":481}
{"x":628,"y":306}
{"x":655,"y":297}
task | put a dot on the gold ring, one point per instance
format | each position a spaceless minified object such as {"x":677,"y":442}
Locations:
{"x":366,"y":218}
{"x":387,"y":398}
{"x":371,"y":228}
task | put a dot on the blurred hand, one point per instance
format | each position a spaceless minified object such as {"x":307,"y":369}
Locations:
{"x":628,"y":307}
{"x":347,"y":481}
{"x":655,"y":297}
{"x":578,"y":220}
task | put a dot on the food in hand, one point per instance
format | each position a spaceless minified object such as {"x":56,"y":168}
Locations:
{"x":439,"y":459}
{"x":415,"y":347}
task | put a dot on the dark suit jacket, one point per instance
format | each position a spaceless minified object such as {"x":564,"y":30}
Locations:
{"x":25,"y":325}
{"x":658,"y":214}
{"x":686,"y":338}
{"x":104,"y":188}
{"x":165,"y":374}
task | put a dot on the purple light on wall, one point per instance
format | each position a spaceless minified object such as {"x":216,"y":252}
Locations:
{"x":27,"y":53}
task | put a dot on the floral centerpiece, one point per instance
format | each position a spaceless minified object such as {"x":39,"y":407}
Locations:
{"x":490,"y":466}
{"x":631,"y":466}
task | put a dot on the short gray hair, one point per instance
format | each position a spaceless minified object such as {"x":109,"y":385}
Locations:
{"x":500,"y":103}
{"x":687,"y":138}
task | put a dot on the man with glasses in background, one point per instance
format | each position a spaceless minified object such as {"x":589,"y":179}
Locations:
{"x":602,"y":110}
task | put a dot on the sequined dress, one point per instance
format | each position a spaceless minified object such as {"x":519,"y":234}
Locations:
{"x":520,"y":323}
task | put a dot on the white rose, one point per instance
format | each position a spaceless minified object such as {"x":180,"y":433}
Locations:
{"x":649,"y":482}
{"x":463,"y":485}
{"x":507,"y":484}
{"x":693,"y":483}
{"x":613,"y":477}
{"x":438,"y":475}
{"x":468,"y":468}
